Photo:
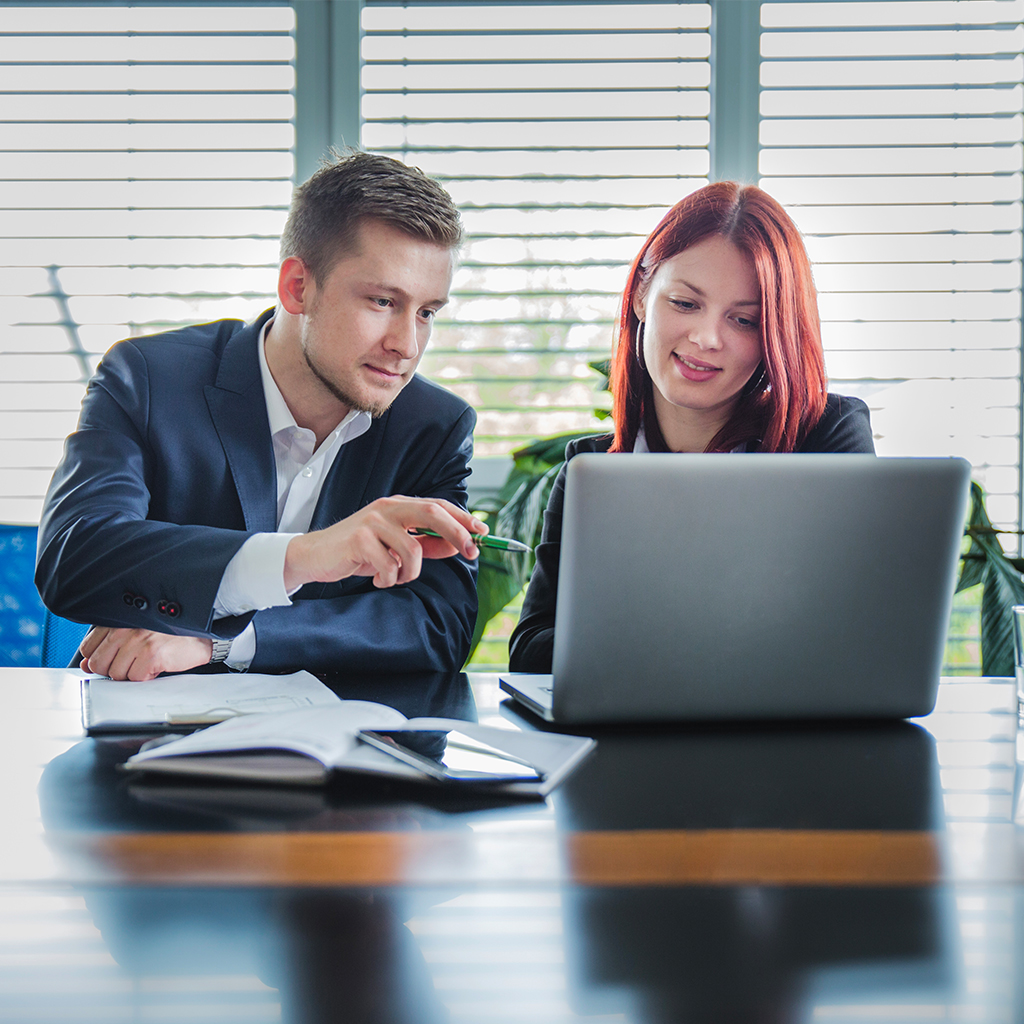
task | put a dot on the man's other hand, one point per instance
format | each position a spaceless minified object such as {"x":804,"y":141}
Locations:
{"x":375,"y":541}
{"x":140,"y":654}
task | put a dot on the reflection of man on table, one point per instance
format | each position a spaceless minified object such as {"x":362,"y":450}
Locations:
{"x":244,"y":492}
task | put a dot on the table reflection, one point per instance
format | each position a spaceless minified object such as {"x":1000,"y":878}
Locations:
{"x":753,"y":952}
{"x":331,"y":956}
{"x":880,"y":776}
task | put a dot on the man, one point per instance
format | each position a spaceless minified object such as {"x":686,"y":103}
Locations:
{"x":245,"y":493}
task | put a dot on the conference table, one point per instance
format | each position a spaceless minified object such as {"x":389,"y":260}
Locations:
{"x":783,"y":872}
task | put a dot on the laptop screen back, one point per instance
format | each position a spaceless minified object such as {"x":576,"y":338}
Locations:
{"x":752,"y":586}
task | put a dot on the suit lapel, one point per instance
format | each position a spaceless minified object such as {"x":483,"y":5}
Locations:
{"x":239,"y":411}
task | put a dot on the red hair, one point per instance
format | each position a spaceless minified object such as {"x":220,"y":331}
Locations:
{"x":786,"y":395}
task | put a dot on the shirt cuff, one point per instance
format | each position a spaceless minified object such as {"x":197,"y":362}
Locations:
{"x":243,"y":650}
{"x":254,"y":578}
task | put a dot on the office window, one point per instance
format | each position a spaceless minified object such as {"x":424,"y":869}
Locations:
{"x":147,"y":156}
{"x":564,"y":131}
{"x":145,"y":173}
{"x":893,"y":133}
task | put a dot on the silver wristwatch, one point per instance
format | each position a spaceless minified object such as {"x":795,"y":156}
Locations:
{"x":221,"y":649}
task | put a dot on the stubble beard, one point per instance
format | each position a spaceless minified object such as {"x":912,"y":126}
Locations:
{"x":360,"y":404}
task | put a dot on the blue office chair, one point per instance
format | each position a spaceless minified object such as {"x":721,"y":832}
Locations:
{"x":61,"y":640}
{"x":29,"y":633}
{"x":21,"y":611}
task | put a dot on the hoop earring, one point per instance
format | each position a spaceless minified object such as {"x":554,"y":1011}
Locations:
{"x":640,"y":345}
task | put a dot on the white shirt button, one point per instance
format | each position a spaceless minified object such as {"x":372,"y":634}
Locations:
{"x":307,"y":472}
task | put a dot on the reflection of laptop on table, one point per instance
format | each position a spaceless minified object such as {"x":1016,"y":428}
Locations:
{"x":751,"y":587}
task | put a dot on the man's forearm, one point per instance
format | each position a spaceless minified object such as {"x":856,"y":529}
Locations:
{"x":417,"y":627}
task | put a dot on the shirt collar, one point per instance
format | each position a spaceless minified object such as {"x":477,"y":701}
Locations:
{"x":278,"y":413}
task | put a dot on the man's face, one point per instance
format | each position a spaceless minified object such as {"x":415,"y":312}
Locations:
{"x":366,"y":326}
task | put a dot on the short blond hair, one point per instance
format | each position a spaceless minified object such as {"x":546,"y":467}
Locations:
{"x":327,"y":209}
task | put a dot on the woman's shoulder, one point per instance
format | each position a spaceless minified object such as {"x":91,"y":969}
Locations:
{"x":587,"y":444}
{"x":839,"y":408}
{"x":845,"y":426}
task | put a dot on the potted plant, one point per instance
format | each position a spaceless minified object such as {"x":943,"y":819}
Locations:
{"x":985,"y":563}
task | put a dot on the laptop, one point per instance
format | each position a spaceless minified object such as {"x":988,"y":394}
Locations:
{"x":721,"y":587}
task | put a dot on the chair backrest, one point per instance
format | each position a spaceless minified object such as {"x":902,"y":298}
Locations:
{"x":61,"y":638}
{"x":21,"y":610}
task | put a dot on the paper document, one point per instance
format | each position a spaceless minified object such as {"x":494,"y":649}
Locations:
{"x":190,"y":699}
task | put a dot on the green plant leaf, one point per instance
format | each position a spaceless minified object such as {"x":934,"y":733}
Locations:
{"x":497,"y":583}
{"x":974,"y":561}
{"x":1003,"y":588}
{"x":983,"y":561}
{"x":603,"y":367}
{"x":522,"y":517}
{"x":535,"y":459}
{"x":986,"y":563}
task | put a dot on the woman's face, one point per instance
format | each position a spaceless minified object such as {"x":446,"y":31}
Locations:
{"x":702,"y":333}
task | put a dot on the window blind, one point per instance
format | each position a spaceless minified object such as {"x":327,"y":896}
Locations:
{"x":563,"y":131}
{"x":145,"y":173}
{"x":893,"y":132}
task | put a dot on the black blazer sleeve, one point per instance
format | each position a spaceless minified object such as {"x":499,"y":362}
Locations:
{"x":111,"y":549}
{"x":532,"y":642}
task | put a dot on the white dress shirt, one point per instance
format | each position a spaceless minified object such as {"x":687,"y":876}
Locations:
{"x":254,"y":578}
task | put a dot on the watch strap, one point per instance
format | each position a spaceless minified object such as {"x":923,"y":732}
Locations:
{"x":221,"y":649}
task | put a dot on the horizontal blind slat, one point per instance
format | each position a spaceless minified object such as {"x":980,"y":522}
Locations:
{"x":563,"y":133}
{"x":893,"y":133}
{"x":145,"y":174}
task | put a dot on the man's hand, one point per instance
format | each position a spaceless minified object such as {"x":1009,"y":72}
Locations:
{"x":140,"y":654}
{"x":375,"y":541}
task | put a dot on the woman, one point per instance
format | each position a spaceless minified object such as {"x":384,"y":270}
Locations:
{"x":719,"y":350}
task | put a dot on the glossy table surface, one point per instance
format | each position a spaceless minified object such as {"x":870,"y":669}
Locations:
{"x":857,"y":872}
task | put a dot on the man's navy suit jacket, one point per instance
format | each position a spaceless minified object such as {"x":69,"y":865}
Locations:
{"x":172,"y":468}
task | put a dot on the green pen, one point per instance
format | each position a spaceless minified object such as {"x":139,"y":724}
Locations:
{"x":486,"y":541}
